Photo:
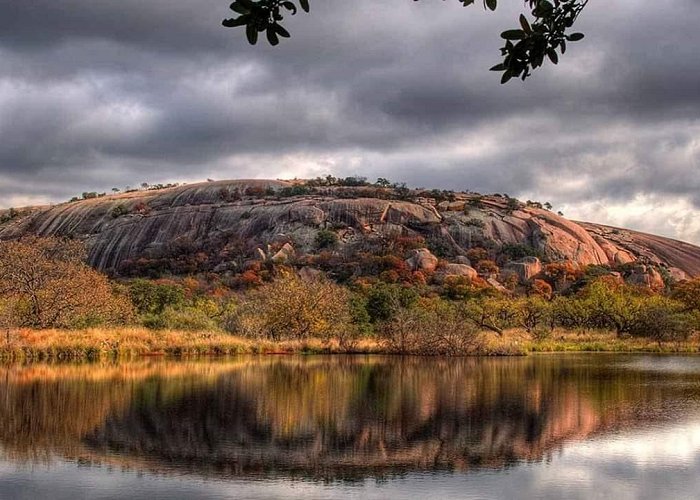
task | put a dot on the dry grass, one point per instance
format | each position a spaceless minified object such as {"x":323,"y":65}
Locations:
{"x":601,"y":341}
{"x":97,"y":344}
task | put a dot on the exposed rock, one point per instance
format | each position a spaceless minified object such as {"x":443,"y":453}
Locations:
{"x":646,"y":276}
{"x":260,"y":254}
{"x":422,"y":260}
{"x":457,"y":270}
{"x":677,"y":274}
{"x":462,"y":259}
{"x":241,"y":215}
{"x":451,"y":206}
{"x":526,"y":268}
{"x":284,"y":254}
{"x":497,"y":285}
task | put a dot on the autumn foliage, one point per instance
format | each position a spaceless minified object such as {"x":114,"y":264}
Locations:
{"x":45,"y":283}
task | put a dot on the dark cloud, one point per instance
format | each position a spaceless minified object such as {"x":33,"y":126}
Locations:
{"x":96,"y":94}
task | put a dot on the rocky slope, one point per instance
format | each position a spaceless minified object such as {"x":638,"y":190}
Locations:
{"x":223,"y":223}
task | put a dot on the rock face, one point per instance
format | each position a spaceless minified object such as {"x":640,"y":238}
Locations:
{"x":526,"y":268}
{"x":228,"y":220}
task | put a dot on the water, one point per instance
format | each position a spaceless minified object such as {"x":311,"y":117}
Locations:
{"x":550,"y":426}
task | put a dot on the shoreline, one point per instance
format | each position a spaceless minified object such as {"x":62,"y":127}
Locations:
{"x":98,"y":344}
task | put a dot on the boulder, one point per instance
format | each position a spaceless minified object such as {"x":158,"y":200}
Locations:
{"x":498,"y":286}
{"x":646,"y":276}
{"x":458,"y":270}
{"x":526,"y":268}
{"x":462,"y":259}
{"x":451,"y":206}
{"x":677,"y":274}
{"x":260,"y":254}
{"x":284,"y":255}
{"x":422,"y":260}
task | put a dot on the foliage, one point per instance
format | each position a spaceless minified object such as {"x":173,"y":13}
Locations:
{"x":474,"y":222}
{"x":512,"y":204}
{"x":384,"y":301}
{"x":10,"y":214}
{"x":532,"y":313}
{"x":541,"y":288}
{"x":688,"y":293}
{"x":462,"y":288}
{"x":118,"y":211}
{"x":150,"y":297}
{"x":297,"y":190}
{"x":517,"y":251}
{"x":477,"y":254}
{"x":291,"y":307}
{"x":432,"y":327}
{"x":486,"y":267}
{"x":492,"y":313}
{"x":49,"y":285}
{"x":525,"y":47}
{"x":189,"y":318}
{"x":326,"y":239}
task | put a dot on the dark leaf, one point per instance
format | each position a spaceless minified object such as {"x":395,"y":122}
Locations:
{"x":525,"y":25}
{"x":513,"y":35}
{"x":272,"y":36}
{"x":239,"y":21}
{"x":252,"y":34}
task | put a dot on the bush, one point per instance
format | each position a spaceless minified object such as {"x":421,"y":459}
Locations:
{"x":152,"y":298}
{"x":662,"y":320}
{"x":491,"y":313}
{"x":517,"y":251}
{"x":432,"y":327}
{"x":49,"y":286}
{"x":532,"y":313}
{"x":118,"y":211}
{"x":186,"y":318}
{"x":326,"y":239}
{"x":386,"y":300}
{"x":293,"y":308}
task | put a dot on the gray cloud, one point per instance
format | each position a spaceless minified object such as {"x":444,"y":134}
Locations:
{"x":96,"y":94}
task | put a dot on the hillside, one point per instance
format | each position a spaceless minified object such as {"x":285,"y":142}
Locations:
{"x":219,"y":226}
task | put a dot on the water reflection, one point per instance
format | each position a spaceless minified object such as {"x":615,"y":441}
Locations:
{"x":335,"y":417}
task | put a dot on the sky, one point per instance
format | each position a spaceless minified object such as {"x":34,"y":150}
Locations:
{"x":96,"y":94}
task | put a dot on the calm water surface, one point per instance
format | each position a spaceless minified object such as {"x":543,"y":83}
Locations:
{"x":555,"y":426}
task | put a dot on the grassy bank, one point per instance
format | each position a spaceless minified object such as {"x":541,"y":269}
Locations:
{"x":127,"y":343}
{"x":99,"y":343}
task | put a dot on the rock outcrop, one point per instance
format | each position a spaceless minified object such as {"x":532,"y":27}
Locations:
{"x":458,"y":270}
{"x":422,"y":260}
{"x":526,"y":268}
{"x":230,"y":219}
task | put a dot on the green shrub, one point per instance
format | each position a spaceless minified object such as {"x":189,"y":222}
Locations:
{"x":326,"y":239}
{"x":186,"y":318}
{"x":385,"y":300}
{"x":153,"y":298}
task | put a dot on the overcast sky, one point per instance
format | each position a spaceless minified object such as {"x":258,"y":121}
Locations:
{"x":102,"y":93}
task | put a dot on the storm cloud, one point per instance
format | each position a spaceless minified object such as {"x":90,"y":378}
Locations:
{"x":101,"y":94}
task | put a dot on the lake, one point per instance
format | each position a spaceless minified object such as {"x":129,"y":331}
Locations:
{"x":545,"y":426}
